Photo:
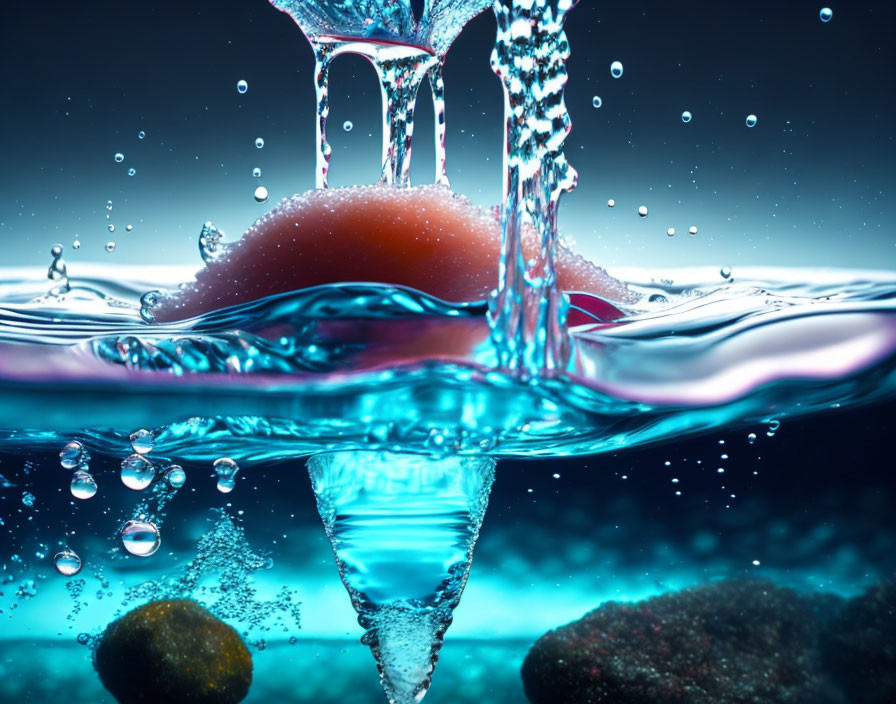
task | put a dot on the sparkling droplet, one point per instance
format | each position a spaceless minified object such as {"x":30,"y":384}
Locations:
{"x":642,"y":211}
{"x":141,"y":134}
{"x":751,"y":438}
{"x":686,"y":116}
{"x":128,"y":228}
{"x":725,"y":272}
{"x":132,"y":171}
{"x":671,"y":232}
{"x":110,"y":246}
{"x":751,"y":120}
{"x":256,"y":172}
{"x":140,"y":538}
{"x":226,"y":469}
{"x":692,"y":230}
{"x":28,"y":499}
{"x":826,"y":14}
{"x":261,"y":194}
{"x":242,"y":86}
{"x":773,"y":426}
{"x":119,"y":157}
{"x":111,"y":227}
{"x":148,"y":301}
{"x":347,"y":125}
{"x":67,"y":562}
{"x":108,"y":205}
{"x":71,"y":455}
{"x":76,"y":244}
{"x":616,"y":69}
{"x":83,"y":485}
{"x":210,"y":246}
{"x":137,"y":472}
{"x":176,"y":476}
{"x":142,"y":441}
{"x":596,"y":101}
{"x":611,"y":203}
{"x":259,"y":143}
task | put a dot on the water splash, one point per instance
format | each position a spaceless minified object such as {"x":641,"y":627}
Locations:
{"x":403,"y":528}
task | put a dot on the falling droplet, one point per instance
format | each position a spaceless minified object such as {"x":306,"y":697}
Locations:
{"x":111,"y":227}
{"x":176,"y":476}
{"x":137,"y":472}
{"x":596,"y":101}
{"x":108,"y":205}
{"x":132,"y":171}
{"x":148,"y":301}
{"x":751,"y":438}
{"x":671,"y":232}
{"x":110,"y":246}
{"x":256,"y":172}
{"x":261,"y":194}
{"x":773,"y":426}
{"x":826,"y":14}
{"x":140,"y":538}
{"x":141,"y":134}
{"x":259,"y":143}
{"x":692,"y":230}
{"x":751,"y":120}
{"x":128,"y":228}
{"x":347,"y":125}
{"x":83,"y":485}
{"x":725,"y":272}
{"x":72,"y":455}
{"x":616,"y":69}
{"x":142,"y":441}
{"x":67,"y":563}
{"x":119,"y":157}
{"x":28,"y":499}
{"x":242,"y":86}
{"x":642,"y":211}
{"x":686,"y":116}
{"x":76,"y":244}
{"x":611,"y":203}
{"x":226,"y":469}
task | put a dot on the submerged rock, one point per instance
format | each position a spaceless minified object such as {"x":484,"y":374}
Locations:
{"x":734,"y":642}
{"x":173,"y":651}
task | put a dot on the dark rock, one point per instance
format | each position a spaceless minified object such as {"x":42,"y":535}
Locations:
{"x":861,"y":646}
{"x":173,"y":651}
{"x":734,"y":642}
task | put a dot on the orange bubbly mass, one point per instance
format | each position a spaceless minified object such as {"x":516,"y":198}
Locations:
{"x":426,"y":238}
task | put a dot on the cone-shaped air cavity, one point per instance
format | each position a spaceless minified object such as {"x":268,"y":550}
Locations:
{"x":403,"y":529}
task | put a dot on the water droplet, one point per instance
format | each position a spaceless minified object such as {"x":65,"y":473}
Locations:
{"x":137,"y":472}
{"x":611,"y":203}
{"x":132,"y":171}
{"x":83,"y":485}
{"x":242,"y":86}
{"x":642,"y":211}
{"x":686,"y":116}
{"x":826,"y":14}
{"x":751,"y":438}
{"x":28,"y":499}
{"x":751,"y":120}
{"x":108,"y":205}
{"x":256,"y":172}
{"x":142,"y":441}
{"x":176,"y":476}
{"x":259,"y":143}
{"x":67,"y":562}
{"x":76,"y":244}
{"x":119,"y":157}
{"x":128,"y":228}
{"x":58,"y":271}
{"x":347,"y":125}
{"x":596,"y":101}
{"x":773,"y":426}
{"x":140,"y":538}
{"x":657,"y":298}
{"x":57,"y":250}
{"x":110,"y":246}
{"x":71,"y":455}
{"x":692,"y":230}
{"x":725,"y":272}
{"x":226,"y":469}
{"x":210,"y":246}
{"x":148,"y":301}
{"x":671,"y":232}
{"x":261,"y":194}
{"x":616,"y":69}
{"x":141,"y":134}
{"x":111,"y":227}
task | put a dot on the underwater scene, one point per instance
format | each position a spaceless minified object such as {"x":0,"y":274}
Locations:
{"x":498,"y":351}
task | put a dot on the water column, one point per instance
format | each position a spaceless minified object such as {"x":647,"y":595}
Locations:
{"x":528,"y":311}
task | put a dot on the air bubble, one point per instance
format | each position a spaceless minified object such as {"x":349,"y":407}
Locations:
{"x":347,"y":126}
{"x":67,"y":563}
{"x":119,"y":157}
{"x":83,"y":485}
{"x":642,"y":211}
{"x":176,"y":476}
{"x":132,"y":171}
{"x":751,"y":120}
{"x":140,"y":538}
{"x":259,"y":142}
{"x":616,"y":69}
{"x":141,"y":134}
{"x":825,"y":14}
{"x":28,"y":499}
{"x":686,"y":116}
{"x":242,"y":86}
{"x":137,"y":472}
{"x":142,"y":441}
{"x":226,"y":469}
{"x":596,"y":101}
{"x":261,"y":194}
{"x":72,"y":455}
